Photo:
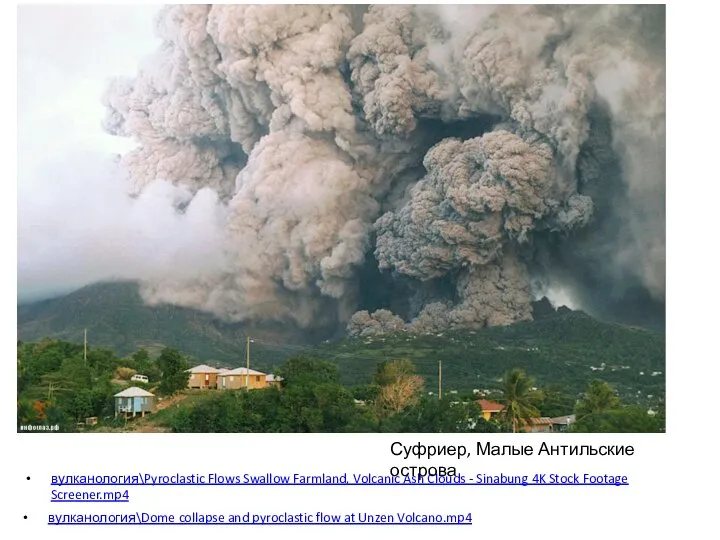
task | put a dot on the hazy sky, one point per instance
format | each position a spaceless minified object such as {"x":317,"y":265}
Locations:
{"x":66,"y":201}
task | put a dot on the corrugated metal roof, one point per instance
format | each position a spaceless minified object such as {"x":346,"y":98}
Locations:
{"x":134,"y":391}
{"x":202,"y":368}
{"x":273,"y":378}
{"x":242,"y":371}
{"x":541,"y":421}
{"x":569,"y":419}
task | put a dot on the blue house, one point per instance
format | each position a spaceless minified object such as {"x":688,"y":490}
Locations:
{"x":133,"y":402}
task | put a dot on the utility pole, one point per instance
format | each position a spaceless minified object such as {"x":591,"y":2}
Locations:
{"x":85,"y":348}
{"x":247,"y":358}
{"x":439,"y":380}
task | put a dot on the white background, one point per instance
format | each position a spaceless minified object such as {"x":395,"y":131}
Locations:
{"x":544,"y":511}
{"x":673,"y":477}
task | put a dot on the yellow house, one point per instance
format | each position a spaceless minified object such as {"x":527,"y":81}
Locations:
{"x":490,"y":408}
{"x":237,"y":378}
{"x":204,"y":377}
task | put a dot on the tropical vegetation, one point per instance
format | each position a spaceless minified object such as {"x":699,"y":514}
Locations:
{"x":63,"y":384}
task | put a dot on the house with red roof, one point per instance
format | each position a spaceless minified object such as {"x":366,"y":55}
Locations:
{"x":490,"y":408}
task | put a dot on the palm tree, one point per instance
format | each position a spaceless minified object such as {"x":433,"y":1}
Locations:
{"x":518,"y":398}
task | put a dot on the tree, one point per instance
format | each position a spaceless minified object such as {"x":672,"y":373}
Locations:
{"x":42,"y":412}
{"x":101,"y":360}
{"x":38,"y":359}
{"x":141,"y":357}
{"x":103,"y":402}
{"x":143,"y":365}
{"x":399,"y":386}
{"x":124,"y":373}
{"x":623,"y":420}
{"x":308,"y":370}
{"x":431,"y":415}
{"x":402,"y":393}
{"x":323,"y":407}
{"x":312,"y":400}
{"x":598,"y":398}
{"x":81,"y":405}
{"x":326,"y":407}
{"x":174,"y":371}
{"x":27,"y":412}
{"x":555,"y":401}
{"x":519,"y":398}
{"x":365,"y":392}
{"x":386,"y":373}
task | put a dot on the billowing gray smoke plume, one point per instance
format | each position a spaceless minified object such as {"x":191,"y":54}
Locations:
{"x":448,"y":163}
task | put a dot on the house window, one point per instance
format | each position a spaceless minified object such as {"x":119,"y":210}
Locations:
{"x":257,"y":378}
{"x":207,"y":376}
{"x":232,"y":378}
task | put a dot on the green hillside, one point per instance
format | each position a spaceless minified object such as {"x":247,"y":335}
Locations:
{"x":562,"y":348}
{"x":116,"y":318}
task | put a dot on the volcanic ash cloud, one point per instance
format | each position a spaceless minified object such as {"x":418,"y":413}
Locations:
{"x":463,"y":152}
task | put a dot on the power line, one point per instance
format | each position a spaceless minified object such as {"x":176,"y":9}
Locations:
{"x":247,"y":372}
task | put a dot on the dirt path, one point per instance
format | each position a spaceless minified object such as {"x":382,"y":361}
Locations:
{"x":169,"y":402}
{"x":149,"y":428}
{"x":146,"y":425}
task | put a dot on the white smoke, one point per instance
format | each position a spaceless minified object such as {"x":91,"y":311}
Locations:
{"x":70,"y":238}
{"x":76,"y":224}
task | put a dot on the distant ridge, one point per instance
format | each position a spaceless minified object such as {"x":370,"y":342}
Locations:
{"x":117,"y":318}
{"x":560,"y":345}
{"x":563,"y":346}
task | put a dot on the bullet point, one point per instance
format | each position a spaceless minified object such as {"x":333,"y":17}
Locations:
{"x":24,"y":517}
{"x":28,"y":478}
